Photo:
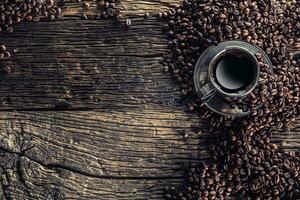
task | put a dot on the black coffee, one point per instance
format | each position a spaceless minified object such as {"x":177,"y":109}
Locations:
{"x":234,"y":73}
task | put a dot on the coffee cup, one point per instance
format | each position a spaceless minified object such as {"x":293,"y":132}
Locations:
{"x":229,"y":70}
{"x":233,"y":72}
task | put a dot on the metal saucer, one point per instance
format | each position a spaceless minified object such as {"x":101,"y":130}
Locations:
{"x":218,"y":103}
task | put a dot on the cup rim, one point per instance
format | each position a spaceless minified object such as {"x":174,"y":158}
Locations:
{"x":245,"y":91}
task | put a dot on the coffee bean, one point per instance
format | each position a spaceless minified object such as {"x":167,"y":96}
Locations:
{"x":147,"y":15}
{"x":86,"y":5}
{"x":128,"y":22}
{"x":159,"y":15}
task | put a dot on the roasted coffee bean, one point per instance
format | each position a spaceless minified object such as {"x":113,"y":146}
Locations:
{"x":4,"y":52}
{"x":128,"y":22}
{"x":147,"y":15}
{"x":86,"y":5}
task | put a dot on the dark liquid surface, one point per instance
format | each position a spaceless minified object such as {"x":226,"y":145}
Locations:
{"x":235,"y":73}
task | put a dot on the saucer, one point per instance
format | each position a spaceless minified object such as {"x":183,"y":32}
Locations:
{"x":217,"y":103}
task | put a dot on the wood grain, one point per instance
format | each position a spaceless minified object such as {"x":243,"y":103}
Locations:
{"x":95,"y":155}
{"x":88,"y":113}
{"x":86,"y":64}
{"x":127,"y":144}
{"x":129,"y":8}
{"x":45,"y":184}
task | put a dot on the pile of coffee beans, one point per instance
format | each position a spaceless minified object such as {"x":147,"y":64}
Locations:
{"x":244,"y":164}
{"x":255,"y":167}
{"x":279,"y":95}
{"x":15,"y":11}
{"x":272,"y":25}
{"x":242,"y":167}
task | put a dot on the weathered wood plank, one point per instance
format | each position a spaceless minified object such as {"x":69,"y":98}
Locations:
{"x":87,"y":64}
{"x":131,"y":8}
{"x":130,"y":144}
{"x":31,"y":180}
{"x":96,"y":154}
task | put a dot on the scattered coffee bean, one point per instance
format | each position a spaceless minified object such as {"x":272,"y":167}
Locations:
{"x":3,"y":52}
{"x":147,"y":15}
{"x":128,"y":22}
{"x":86,"y":5}
{"x":159,"y":15}
{"x":106,"y":9}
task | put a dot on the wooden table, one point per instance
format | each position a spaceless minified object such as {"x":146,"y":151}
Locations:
{"x":88,"y":113}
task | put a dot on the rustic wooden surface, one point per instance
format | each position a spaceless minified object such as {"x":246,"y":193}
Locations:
{"x":88,"y":113}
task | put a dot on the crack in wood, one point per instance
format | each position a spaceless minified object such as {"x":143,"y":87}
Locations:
{"x":57,"y":166}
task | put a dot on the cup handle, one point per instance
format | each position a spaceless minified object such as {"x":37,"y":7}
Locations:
{"x":208,"y":91}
